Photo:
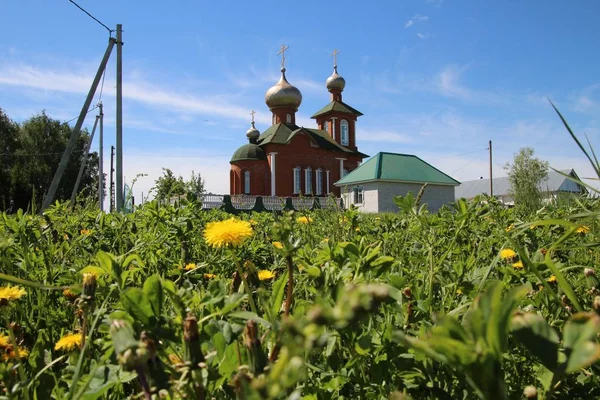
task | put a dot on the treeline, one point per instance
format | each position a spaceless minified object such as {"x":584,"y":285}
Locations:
{"x":29,"y":155}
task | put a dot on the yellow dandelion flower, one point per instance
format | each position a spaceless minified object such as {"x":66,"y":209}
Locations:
{"x":278,"y":245}
{"x":518,"y":265}
{"x":209,"y":276}
{"x":265,"y":275}
{"x":69,"y":342}
{"x":582,"y":229}
{"x":175,"y":359}
{"x":69,"y":294}
{"x":377,"y":218}
{"x":509,"y":228}
{"x":9,"y":353}
{"x":66,"y":236}
{"x":459,"y":291}
{"x":325,"y":240}
{"x":552,"y":279}
{"x":357,"y":229}
{"x":11,"y":293}
{"x":4,"y":341}
{"x":253,"y":222}
{"x":189,"y":267}
{"x":507,"y":254}
{"x":304,"y":220}
{"x":85,"y":232}
{"x":232,"y":232}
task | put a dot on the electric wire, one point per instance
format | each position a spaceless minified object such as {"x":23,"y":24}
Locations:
{"x":89,"y":111}
{"x":461,"y":154}
{"x":110,"y":31}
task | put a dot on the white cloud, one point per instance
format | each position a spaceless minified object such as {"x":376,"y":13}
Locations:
{"x":449,"y":83}
{"x":422,"y":35}
{"x":416,"y":18}
{"x":383,"y":136}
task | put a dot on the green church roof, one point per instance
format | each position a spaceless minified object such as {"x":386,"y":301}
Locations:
{"x":397,"y":168}
{"x":337,"y":106}
{"x":248,"y":151}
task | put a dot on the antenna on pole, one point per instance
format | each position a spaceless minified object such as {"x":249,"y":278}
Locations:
{"x":491,"y":177}
{"x":101,"y":159}
{"x":119,"y":119}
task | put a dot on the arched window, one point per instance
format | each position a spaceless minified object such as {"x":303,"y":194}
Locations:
{"x":288,"y":119}
{"x":326,"y":126}
{"x":297,"y":180}
{"x":308,"y":181}
{"x":319,"y":182}
{"x":344,"y":132}
{"x":274,"y":119}
{"x":247,"y":182}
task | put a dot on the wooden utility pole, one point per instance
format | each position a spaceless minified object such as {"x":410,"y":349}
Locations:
{"x":491,"y":177}
{"x":112,"y":184}
{"x":75,"y":133}
{"x":83,"y":163}
{"x":119,"y":120}
{"x":101,"y":159}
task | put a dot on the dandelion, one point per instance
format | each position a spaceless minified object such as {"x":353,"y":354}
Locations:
{"x":85,"y":232}
{"x":552,"y":279}
{"x":232,"y":232}
{"x":66,"y":237}
{"x":69,"y":294}
{"x":507,"y":254}
{"x":278,"y":245}
{"x":326,"y":240}
{"x":582,"y":229}
{"x":253,"y":222}
{"x":189,"y":267}
{"x":69,"y":342}
{"x":175,"y":359}
{"x":459,"y":291}
{"x":4,"y":341}
{"x":509,"y":228}
{"x":518,"y":265}
{"x":11,"y":293}
{"x":357,"y":229}
{"x":9,"y":353}
{"x":304,"y":220}
{"x":265,"y":275}
{"x":377,"y":218}
{"x":209,"y":276}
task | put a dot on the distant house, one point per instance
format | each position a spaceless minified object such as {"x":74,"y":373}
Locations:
{"x":373,"y":185}
{"x":552,"y":187}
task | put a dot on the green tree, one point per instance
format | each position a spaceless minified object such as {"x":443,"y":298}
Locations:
{"x":8,"y":145}
{"x":168,"y":185}
{"x":196,"y":184}
{"x":35,"y":153}
{"x":527,"y":175}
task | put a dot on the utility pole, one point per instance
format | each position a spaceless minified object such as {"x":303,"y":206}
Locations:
{"x":491,"y":177}
{"x":83,"y":163}
{"x":119,"y":117}
{"x":112,"y":184}
{"x":101,"y":159}
{"x":62,"y":165}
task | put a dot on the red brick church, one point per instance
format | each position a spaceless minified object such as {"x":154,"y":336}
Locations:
{"x":289,"y":160}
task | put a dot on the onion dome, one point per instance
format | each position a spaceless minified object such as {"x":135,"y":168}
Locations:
{"x":248,"y":151}
{"x":252,"y":134}
{"x":282,"y":94}
{"x":335,"y":81}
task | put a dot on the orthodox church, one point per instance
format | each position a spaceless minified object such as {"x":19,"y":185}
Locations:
{"x":287,"y":160}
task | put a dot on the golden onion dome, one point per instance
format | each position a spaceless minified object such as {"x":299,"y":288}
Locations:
{"x":335,"y":81}
{"x":252,"y":134}
{"x":282,"y":94}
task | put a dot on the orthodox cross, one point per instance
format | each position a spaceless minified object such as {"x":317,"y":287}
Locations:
{"x":282,"y":52}
{"x":252,"y":114}
{"x":334,"y":55}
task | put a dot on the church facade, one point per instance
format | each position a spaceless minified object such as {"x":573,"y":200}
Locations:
{"x":288,"y":160}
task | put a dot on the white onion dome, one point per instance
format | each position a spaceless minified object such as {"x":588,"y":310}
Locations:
{"x":252,"y":134}
{"x":335,"y":81}
{"x":282,"y":94}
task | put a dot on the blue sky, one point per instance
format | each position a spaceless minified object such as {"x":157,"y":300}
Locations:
{"x":433,"y":78}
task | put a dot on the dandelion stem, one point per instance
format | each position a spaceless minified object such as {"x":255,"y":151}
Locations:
{"x":290,"y":288}
{"x":246,"y":286}
{"x":22,"y":376}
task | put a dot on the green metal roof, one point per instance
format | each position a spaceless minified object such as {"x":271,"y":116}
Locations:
{"x":337,"y":106}
{"x":399,"y":168}
{"x":248,"y":151}
{"x":278,"y":133}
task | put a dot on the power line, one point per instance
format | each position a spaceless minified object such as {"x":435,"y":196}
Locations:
{"x":175,"y":156}
{"x":89,"y":111}
{"x":461,"y":154}
{"x":92,"y":17}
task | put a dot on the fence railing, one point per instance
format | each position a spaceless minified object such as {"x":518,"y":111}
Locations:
{"x":243,"y":203}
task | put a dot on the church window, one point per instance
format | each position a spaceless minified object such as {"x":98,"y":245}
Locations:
{"x":319,"y":182}
{"x":296,"y":180}
{"x":326,"y":126}
{"x":344,"y":132}
{"x":274,"y":119}
{"x":247,"y":182}
{"x":288,"y":119}
{"x":358,"y":193}
{"x":308,"y":181}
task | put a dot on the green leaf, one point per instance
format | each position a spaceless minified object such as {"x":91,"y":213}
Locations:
{"x":277,"y":295}
{"x":247,"y":315}
{"x":579,"y":340}
{"x":537,"y":336}
{"x":153,"y":290}
{"x":313,"y":271}
{"x":349,"y":248}
{"x":136,"y":303}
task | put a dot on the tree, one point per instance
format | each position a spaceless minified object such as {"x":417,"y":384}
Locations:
{"x":196,"y":184}
{"x":526,"y":175}
{"x":34,"y":150}
{"x":168,"y":185}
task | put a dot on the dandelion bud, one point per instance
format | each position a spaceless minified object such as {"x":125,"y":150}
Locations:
{"x":89,"y":285}
{"x":596,"y":304}
{"x":258,"y":358}
{"x":407,"y":292}
{"x":530,"y":392}
{"x":235,"y":282}
{"x":590,"y":278}
{"x":191,"y":336}
{"x":589,"y":272}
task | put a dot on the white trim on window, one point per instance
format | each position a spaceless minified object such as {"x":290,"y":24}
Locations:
{"x":288,"y":119}
{"x":344,"y":136}
{"x":308,"y":181}
{"x":297,"y":179}
{"x":358,"y":195}
{"x":319,"y":182}
{"x":246,"y":182}
{"x":326,"y":126}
